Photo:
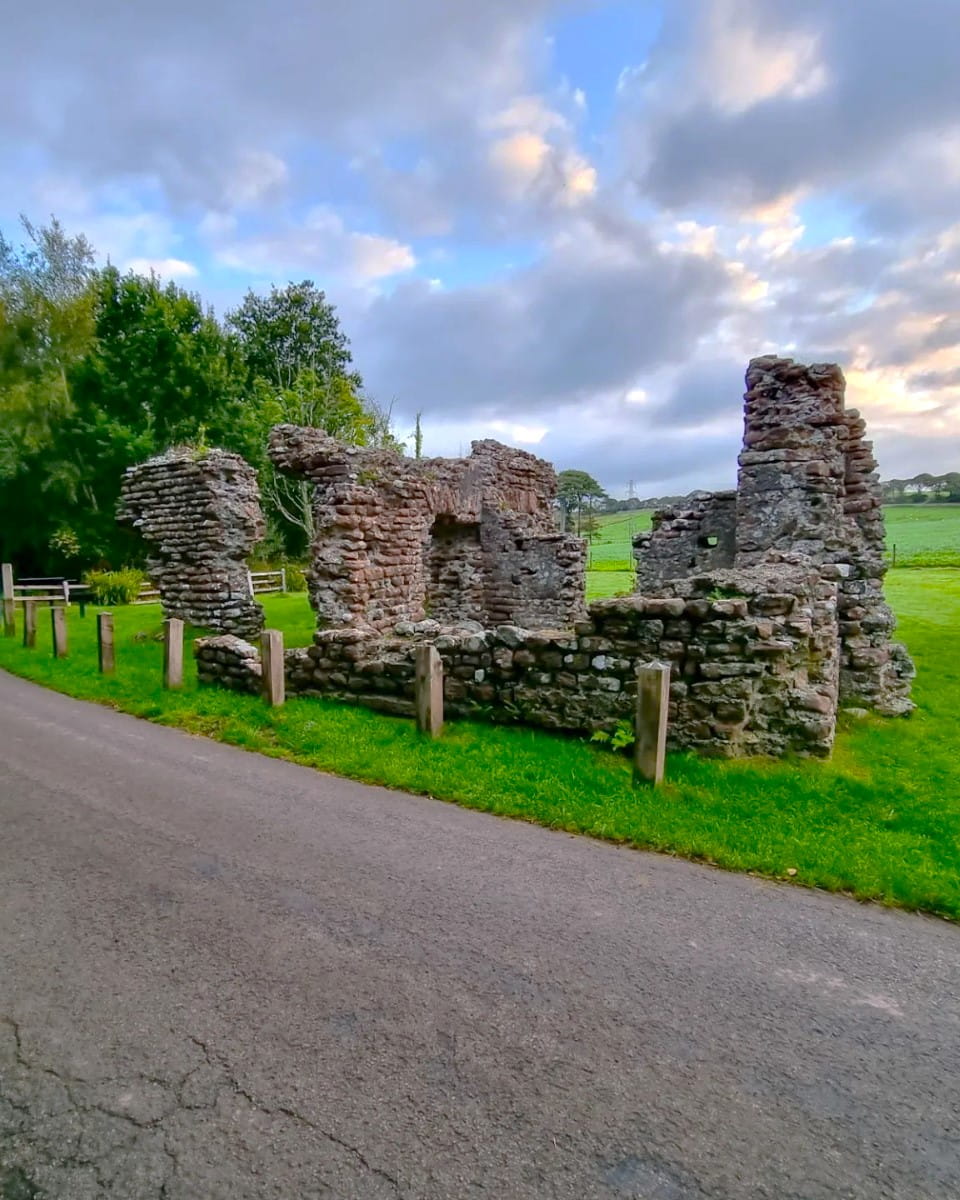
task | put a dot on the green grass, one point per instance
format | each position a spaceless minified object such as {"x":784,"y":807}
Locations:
{"x":611,"y":546}
{"x":881,"y":820}
{"x":925,"y":535}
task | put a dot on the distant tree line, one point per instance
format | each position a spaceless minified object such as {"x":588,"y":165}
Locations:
{"x":923,"y":488}
{"x":920,"y":489}
{"x":101,"y":369}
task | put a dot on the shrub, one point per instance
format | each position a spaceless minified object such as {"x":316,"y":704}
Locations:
{"x":296,"y":580}
{"x":115,"y":587}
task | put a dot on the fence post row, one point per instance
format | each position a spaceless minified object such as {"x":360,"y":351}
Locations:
{"x":58,"y":622}
{"x":272,"y":666}
{"x":105,"y":653}
{"x":653,"y":704}
{"x":173,"y":653}
{"x":30,"y":623}
{"x":9,"y":608}
{"x":428,"y":690}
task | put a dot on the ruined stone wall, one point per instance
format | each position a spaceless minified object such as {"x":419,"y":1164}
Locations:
{"x":753,"y":657}
{"x":403,"y":539}
{"x":807,"y":492}
{"x":201,"y":517}
{"x":698,"y":534}
{"x":874,"y":670}
{"x":790,"y":490}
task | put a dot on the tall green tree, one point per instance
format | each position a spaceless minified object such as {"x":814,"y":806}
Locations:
{"x":299,"y":370}
{"x":576,"y":492}
{"x":46,"y":326}
{"x":146,"y":368}
{"x":291,"y":330}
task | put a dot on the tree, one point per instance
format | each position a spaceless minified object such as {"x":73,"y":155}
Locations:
{"x":46,"y":326}
{"x":293,"y":329}
{"x":331,"y":404}
{"x":156,"y":370}
{"x":574,"y":490}
{"x":299,"y":370}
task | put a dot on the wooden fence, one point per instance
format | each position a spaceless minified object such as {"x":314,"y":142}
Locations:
{"x":56,"y":590}
{"x":261,"y":582}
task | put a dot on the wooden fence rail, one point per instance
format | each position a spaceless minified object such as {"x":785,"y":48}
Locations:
{"x":267,"y":581}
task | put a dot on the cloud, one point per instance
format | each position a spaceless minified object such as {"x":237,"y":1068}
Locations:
{"x":505,"y":256}
{"x":320,"y":244}
{"x":208,"y":98}
{"x":749,"y":99}
{"x":601,"y":307}
{"x":166,"y":268}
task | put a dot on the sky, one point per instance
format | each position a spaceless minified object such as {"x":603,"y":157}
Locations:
{"x":566,"y":225}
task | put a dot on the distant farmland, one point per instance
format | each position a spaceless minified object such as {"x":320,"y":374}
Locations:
{"x":924,"y":535}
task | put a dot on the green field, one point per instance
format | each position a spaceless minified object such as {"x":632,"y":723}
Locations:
{"x":881,"y":820}
{"x":918,"y":535}
{"x":923,"y":535}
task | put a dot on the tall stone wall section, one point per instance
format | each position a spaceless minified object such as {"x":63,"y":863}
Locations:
{"x":400,"y":539}
{"x":808,"y":492}
{"x":201,"y":517}
{"x":753,"y":658}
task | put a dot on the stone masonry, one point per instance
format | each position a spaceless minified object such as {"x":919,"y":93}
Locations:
{"x":767,"y":601}
{"x":400,"y":539}
{"x":754,"y":674}
{"x":807,"y":494}
{"x":201,"y":516}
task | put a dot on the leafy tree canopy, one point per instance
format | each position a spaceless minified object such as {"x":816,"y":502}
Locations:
{"x":100,"y":370}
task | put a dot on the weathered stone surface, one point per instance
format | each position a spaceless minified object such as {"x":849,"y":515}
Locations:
{"x":723,"y":701}
{"x":399,"y":540}
{"x":201,"y":516}
{"x":767,"y":602}
{"x":807,"y":495}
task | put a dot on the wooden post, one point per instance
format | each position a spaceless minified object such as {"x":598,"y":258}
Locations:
{"x":271,"y":663}
{"x":283,"y":579}
{"x":58,"y":622}
{"x":653,"y":703}
{"x":9,"y":605}
{"x":428,"y":690}
{"x":105,"y":654}
{"x":173,"y":654}
{"x":30,"y":623}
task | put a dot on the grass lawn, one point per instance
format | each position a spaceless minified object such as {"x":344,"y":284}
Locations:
{"x":925,"y":535}
{"x":881,"y":820}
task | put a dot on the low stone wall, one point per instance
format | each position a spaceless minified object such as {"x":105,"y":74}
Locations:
{"x":753,"y":655}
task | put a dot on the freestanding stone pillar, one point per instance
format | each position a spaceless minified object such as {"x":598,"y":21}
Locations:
{"x":201,"y":516}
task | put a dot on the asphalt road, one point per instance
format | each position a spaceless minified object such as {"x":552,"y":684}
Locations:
{"x":226,"y":976}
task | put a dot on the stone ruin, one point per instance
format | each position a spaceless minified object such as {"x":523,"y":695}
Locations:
{"x":808,"y":495}
{"x":767,"y":601}
{"x":464,"y":539}
{"x":201,"y":516}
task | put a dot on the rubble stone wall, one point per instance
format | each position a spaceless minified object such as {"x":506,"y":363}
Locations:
{"x":201,"y":517}
{"x":696,"y":535}
{"x":400,"y":539}
{"x":753,"y":656}
{"x":808,"y":492}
